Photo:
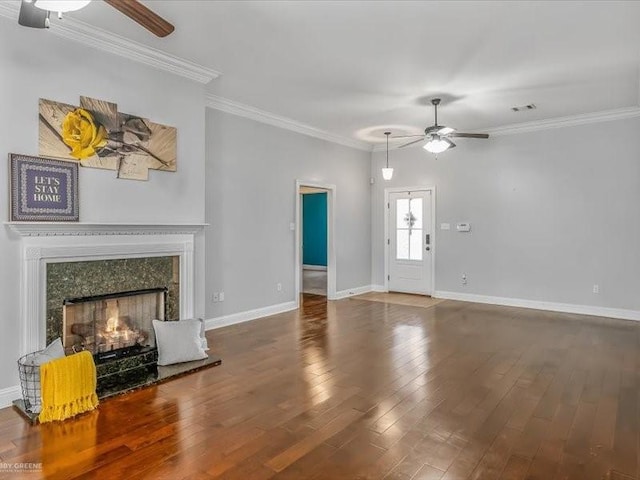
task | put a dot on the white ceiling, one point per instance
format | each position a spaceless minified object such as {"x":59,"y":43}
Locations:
{"x":357,"y":68}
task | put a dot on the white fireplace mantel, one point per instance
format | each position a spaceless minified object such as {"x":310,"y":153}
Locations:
{"x":54,"y":229}
{"x":43,"y":243}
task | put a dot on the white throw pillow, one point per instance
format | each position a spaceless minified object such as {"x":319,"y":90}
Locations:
{"x":178,"y":341}
{"x":31,"y":385}
{"x":203,"y":336}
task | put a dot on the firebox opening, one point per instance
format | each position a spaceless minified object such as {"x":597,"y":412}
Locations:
{"x":114,"y":325}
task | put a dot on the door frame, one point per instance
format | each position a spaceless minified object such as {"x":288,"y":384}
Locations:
{"x":331,"y":234}
{"x":388,"y":191}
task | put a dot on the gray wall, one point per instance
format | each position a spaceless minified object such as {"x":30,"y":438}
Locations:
{"x":552,"y":213}
{"x":251,"y":174}
{"x":35,"y":64}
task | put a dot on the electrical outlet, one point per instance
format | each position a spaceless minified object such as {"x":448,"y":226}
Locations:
{"x":279,"y":287}
{"x":464,"y":279}
{"x":216,"y":297}
{"x":221,"y":296}
{"x":596,"y":289}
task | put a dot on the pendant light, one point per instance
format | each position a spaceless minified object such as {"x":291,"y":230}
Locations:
{"x":387,"y":173}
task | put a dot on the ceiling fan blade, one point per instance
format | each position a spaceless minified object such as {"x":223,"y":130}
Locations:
{"x":141,"y":14}
{"x":32,"y":16}
{"x":411,"y":143}
{"x":468,"y":135}
{"x":407,"y":136}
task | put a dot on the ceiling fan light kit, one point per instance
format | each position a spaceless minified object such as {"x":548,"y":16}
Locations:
{"x":438,"y":144}
{"x":387,"y":172}
{"x":60,"y":6}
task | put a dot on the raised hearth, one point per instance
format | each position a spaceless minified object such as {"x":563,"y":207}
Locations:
{"x":139,"y":378}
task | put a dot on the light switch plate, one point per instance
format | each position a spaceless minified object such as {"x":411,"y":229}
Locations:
{"x":445,"y":226}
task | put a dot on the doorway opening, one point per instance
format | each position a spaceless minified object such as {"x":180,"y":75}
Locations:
{"x":315,"y":258}
{"x":314,"y":240}
{"x":410,"y":240}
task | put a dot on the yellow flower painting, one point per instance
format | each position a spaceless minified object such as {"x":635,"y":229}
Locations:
{"x":97,"y":135}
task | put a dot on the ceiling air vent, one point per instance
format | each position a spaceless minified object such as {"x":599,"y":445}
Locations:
{"x":524,"y":108}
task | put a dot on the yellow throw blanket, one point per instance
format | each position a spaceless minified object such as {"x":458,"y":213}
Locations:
{"x":68,"y":387}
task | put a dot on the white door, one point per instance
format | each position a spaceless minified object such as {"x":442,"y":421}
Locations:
{"x":410,"y":242}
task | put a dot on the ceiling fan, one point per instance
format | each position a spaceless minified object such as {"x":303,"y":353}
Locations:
{"x":35,"y":13}
{"x":438,"y":137}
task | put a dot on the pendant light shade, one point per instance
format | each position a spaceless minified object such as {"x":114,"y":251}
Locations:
{"x":61,"y":6}
{"x":387,"y":173}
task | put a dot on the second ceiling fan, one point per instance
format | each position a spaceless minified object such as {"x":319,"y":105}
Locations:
{"x":438,"y":137}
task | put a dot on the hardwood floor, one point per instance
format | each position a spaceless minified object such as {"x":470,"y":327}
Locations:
{"x":358,"y":389}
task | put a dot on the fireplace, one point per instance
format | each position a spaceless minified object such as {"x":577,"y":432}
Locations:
{"x":114,"y":325}
{"x":73,"y":261}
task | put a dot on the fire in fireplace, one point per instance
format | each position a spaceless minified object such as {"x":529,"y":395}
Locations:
{"x":114,"y":325}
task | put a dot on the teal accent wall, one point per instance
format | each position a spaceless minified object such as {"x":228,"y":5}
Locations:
{"x":314,"y":229}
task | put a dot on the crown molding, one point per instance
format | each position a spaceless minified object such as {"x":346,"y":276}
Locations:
{"x":568,"y":121}
{"x":109,"y":42}
{"x":252,"y":113}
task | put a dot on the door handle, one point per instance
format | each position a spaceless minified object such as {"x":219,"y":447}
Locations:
{"x":428,"y":248}
{"x":427,"y":239}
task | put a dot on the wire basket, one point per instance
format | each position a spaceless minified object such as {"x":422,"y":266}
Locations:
{"x":29,"y":372}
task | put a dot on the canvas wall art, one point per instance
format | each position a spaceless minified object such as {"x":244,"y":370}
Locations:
{"x":43,"y":189}
{"x":97,"y":135}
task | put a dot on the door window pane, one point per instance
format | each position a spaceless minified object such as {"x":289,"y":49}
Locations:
{"x":415,"y":244}
{"x":402,"y":245}
{"x":416,"y":212}
{"x":402,"y":212}
{"x":409,"y":228}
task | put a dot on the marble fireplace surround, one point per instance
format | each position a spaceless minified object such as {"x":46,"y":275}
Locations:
{"x":43,"y":243}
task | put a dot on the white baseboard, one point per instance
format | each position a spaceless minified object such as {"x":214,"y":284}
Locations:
{"x":8,"y":395}
{"x":541,"y":305}
{"x":350,"y":292}
{"x":378,"y":288}
{"x":322,"y":268}
{"x":249,"y":315}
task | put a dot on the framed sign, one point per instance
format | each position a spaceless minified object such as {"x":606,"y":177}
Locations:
{"x":43,"y":189}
